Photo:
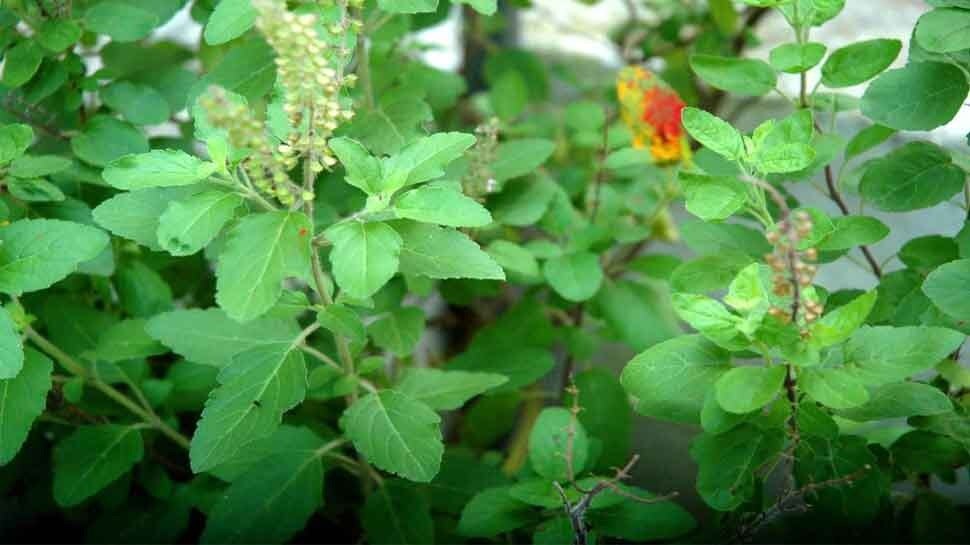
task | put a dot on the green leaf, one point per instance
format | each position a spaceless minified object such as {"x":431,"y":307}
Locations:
{"x":514,"y":258}
{"x":947,"y":288}
{"x":396,"y":433}
{"x":342,"y":320}
{"x":21,"y":63}
{"x":835,"y":388}
{"x":392,"y":125}
{"x":926,"y":253}
{"x":424,"y":159}
{"x":485,"y":7}
{"x":917,"y":175}
{"x":784,"y":158}
{"x":139,"y":104}
{"x":56,"y":35}
{"x":521,"y":365}
{"x":838,"y":325}
{"x":397,"y":514}
{"x":747,"y":77}
{"x":852,"y":231}
{"x":364,"y":256}
{"x":14,"y":141}
{"x":127,"y":340}
{"x":442,"y":205}
{"x":271,"y":502}
{"x":399,"y":330}
{"x":11,"y":347}
{"x":105,"y":139}
{"x":901,"y":400}
{"x":919,"y":97}
{"x":363,"y":170}
{"x":492,"y":512}
{"x":745,"y":389}
{"x":408,"y":6}
{"x":230,"y":19}
{"x":867,"y":139}
{"x":157,"y":168}
{"x":438,"y":252}
{"x":446,"y":390}
{"x":248,"y":69}
{"x":710,"y":318}
{"x":190,"y":224}
{"x":794,"y":58}
{"x":262,"y":251}
{"x":34,"y":166}
{"x":859,"y":62}
{"x":728,"y":462}
{"x":671,"y":379}
{"x":122,"y":21}
{"x":576,"y":276}
{"x":515,"y":158}
{"x":93,"y":457}
{"x":34,"y":254}
{"x":821,"y":461}
{"x":549,"y":440}
{"x":34,"y":190}
{"x":135,"y":215}
{"x":254,"y":391}
{"x":944,"y":30}
{"x":880,"y":355}
{"x":606,"y":415}
{"x":22,"y":399}
{"x":643,"y":521}
{"x":713,"y":197}
{"x":714,"y":133}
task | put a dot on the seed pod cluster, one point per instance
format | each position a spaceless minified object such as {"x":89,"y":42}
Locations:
{"x":266,"y":169}
{"x":793,"y":270}
{"x":311,"y":77}
{"x":479,"y":180}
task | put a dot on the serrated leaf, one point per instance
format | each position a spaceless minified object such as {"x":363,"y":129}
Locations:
{"x":714,"y":133}
{"x":838,"y":325}
{"x":443,"y":206}
{"x":127,"y":340}
{"x":271,"y":502}
{"x":424,"y":159}
{"x":157,"y":168}
{"x":105,"y":139}
{"x":262,"y":251}
{"x":446,"y":390}
{"x":835,"y":388}
{"x":190,"y":224}
{"x":255,"y":390}
{"x":363,"y":170}
{"x":11,"y":347}
{"x":364,"y":256}
{"x":493,"y":511}
{"x":34,"y":254}
{"x":22,"y":399}
{"x":883,"y":354}
{"x":396,"y":433}
{"x":399,"y":330}
{"x":14,"y":141}
{"x":728,"y":462}
{"x":397,"y":514}
{"x":437,"y":252}
{"x":135,"y":214}
{"x":713,"y":197}
{"x":93,"y":457}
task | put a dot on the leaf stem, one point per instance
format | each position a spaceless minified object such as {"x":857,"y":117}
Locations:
{"x":77,"y":369}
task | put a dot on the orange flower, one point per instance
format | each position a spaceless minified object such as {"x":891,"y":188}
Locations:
{"x":651,"y":109}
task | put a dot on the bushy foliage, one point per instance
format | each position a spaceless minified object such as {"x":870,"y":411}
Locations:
{"x":291,"y":283}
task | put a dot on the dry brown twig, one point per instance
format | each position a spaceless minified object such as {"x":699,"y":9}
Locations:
{"x":576,"y":511}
